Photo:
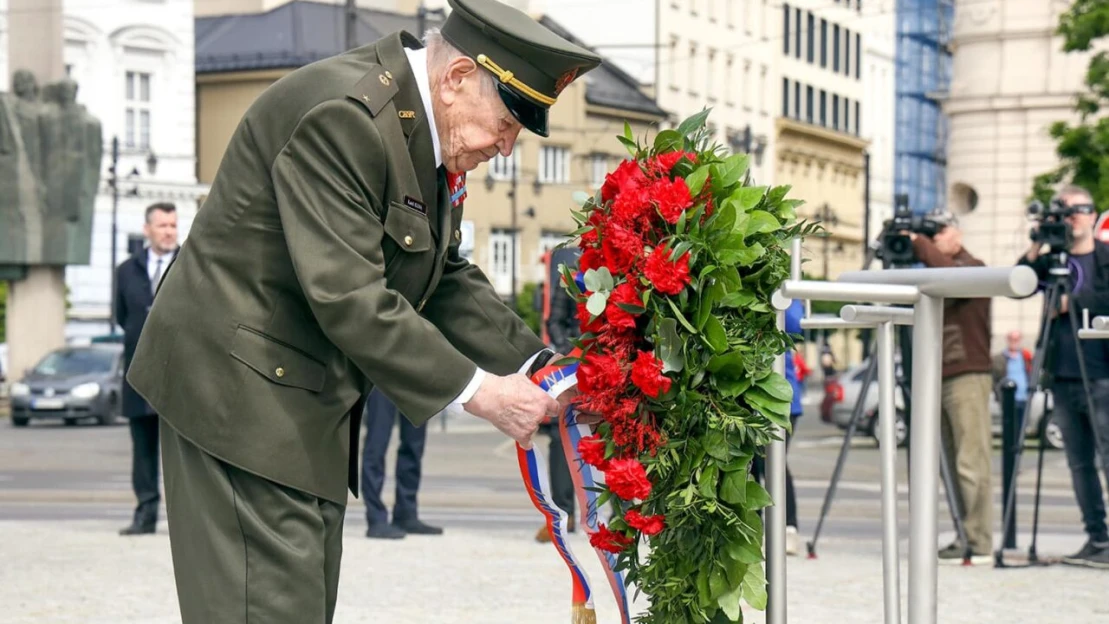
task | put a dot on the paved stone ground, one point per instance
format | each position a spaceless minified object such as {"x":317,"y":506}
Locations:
{"x":80,"y":571}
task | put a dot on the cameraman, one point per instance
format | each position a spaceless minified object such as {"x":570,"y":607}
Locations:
{"x":965,"y":391}
{"x":1085,"y":435}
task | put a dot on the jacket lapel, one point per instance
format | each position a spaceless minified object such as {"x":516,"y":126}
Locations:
{"x":414,"y":121}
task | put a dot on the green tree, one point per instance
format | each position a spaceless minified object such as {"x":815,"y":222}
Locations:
{"x":1083,"y":148}
{"x":525,"y":306}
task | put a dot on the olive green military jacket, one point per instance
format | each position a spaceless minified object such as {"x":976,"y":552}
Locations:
{"x":323,"y":263}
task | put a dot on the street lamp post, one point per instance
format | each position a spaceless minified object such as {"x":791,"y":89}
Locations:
{"x":114,"y":183}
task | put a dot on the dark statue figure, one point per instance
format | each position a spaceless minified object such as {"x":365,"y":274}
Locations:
{"x":50,"y":156}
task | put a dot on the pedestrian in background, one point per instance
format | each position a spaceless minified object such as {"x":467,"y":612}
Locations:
{"x":381,"y":415}
{"x":1015,"y":363}
{"x":137,"y":280}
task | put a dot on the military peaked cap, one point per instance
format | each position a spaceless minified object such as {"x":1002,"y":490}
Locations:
{"x":532,"y":64}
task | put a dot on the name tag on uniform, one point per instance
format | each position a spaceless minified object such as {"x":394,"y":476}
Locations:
{"x":456,"y":185}
{"x":415,"y":205}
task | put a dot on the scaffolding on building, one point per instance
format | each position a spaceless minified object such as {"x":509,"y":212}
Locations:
{"x":923,"y":79}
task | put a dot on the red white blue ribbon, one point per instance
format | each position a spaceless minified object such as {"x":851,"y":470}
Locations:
{"x":555,"y":380}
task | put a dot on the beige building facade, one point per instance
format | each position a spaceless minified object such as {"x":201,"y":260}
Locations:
{"x":1010,"y":82}
{"x":542,"y":173}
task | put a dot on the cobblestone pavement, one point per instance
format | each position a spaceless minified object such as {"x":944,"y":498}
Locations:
{"x":80,"y":571}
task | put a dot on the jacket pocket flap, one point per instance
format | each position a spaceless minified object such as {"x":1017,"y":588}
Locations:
{"x":277,"y":361}
{"x":410,"y":230}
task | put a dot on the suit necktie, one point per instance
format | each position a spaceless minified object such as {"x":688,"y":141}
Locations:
{"x":157,"y":277}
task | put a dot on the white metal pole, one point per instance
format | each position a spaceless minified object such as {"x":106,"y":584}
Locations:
{"x":924,"y":458}
{"x":887,"y":420}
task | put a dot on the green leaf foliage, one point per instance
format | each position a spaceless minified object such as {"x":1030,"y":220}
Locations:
{"x":717,"y":340}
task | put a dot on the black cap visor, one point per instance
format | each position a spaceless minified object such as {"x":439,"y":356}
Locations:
{"x":529,"y":114}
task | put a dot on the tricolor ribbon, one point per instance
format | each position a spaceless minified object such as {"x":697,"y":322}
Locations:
{"x":555,"y":380}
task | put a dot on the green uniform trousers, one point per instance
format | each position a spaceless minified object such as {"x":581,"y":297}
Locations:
{"x":245,"y":549}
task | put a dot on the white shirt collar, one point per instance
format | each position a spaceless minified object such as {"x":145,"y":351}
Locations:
{"x":418,"y":60}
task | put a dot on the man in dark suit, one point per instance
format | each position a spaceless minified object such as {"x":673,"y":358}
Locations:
{"x":381,"y":414}
{"x":137,"y":279}
{"x":325,"y":262}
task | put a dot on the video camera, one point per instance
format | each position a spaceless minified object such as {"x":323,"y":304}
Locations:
{"x":897,"y":248}
{"x":1052,"y":229}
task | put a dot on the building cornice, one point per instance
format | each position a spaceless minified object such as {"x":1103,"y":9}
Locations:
{"x":993,"y":103}
{"x":620,"y":113}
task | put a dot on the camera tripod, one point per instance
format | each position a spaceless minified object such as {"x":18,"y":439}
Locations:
{"x":904,"y":338}
{"x":1045,"y":344}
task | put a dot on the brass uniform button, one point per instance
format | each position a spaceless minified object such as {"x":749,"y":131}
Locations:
{"x":280,"y":372}
{"x":408,"y":241}
{"x":388,"y":74}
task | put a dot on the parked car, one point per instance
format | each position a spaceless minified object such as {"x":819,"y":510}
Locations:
{"x":842,"y":392}
{"x":71,"y":384}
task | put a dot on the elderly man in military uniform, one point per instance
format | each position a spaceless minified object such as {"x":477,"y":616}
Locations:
{"x":323,"y":264}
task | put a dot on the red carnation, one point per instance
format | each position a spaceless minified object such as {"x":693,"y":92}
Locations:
{"x":662,"y":164}
{"x":584,"y":323}
{"x":604,"y":539}
{"x":665,"y":276}
{"x":598,"y":373}
{"x":650,"y":525}
{"x":627,"y":176}
{"x":647,"y":375}
{"x":632,"y":207}
{"x":672,"y":198}
{"x":618,"y":317}
{"x":628,"y":479}
{"x":591,"y":259}
{"x":621,"y":247}
{"x":592,"y":451}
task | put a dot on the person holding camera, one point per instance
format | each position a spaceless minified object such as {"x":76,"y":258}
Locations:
{"x":1085,"y":435}
{"x":965,"y":390}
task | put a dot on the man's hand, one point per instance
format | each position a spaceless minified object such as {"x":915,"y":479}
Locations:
{"x":514,"y":405}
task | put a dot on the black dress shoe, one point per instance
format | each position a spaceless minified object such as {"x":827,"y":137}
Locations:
{"x":138,"y":529}
{"x":384,"y":531}
{"x":417,"y":527}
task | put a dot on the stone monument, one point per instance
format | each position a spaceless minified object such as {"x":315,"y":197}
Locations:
{"x":50,"y":156}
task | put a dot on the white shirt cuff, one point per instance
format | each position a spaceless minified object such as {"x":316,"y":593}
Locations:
{"x":524,"y":369}
{"x":470,"y":390}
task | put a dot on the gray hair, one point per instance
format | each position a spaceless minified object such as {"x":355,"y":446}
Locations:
{"x":1073,"y":190}
{"x":440,"y":52}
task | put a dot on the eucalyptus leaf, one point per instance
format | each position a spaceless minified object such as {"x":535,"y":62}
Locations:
{"x":670,"y":346}
{"x":596,"y":303}
{"x":754,"y":587}
{"x":580,"y":197}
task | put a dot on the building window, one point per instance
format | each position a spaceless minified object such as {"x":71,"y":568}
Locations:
{"x":835,"y":48}
{"x":692,"y":68}
{"x":500,"y":259}
{"x":137,"y":110}
{"x":835,"y":112}
{"x":729,"y":82}
{"x":857,"y":118}
{"x":548,"y":240}
{"x":846,"y":115}
{"x":847,"y":52}
{"x":810,"y":53}
{"x":747,"y":85}
{"x":763,"y":87}
{"x":554,"y":164}
{"x":797,"y":33}
{"x":710,"y":69}
{"x":858,"y":57}
{"x":503,"y":167}
{"x":823,"y":43}
{"x":809,"y":102}
{"x":785,"y":97}
{"x":785,"y":29}
{"x":823,"y":107}
{"x":797,"y":101}
{"x":598,"y":169}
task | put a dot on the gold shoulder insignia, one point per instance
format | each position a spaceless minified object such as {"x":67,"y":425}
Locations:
{"x":407,"y":114}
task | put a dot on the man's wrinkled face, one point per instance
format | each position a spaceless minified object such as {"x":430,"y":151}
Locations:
{"x":161,"y":231}
{"x":1014,"y":341}
{"x":949,"y":240}
{"x":474,"y":125}
{"x":1081,"y":223}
